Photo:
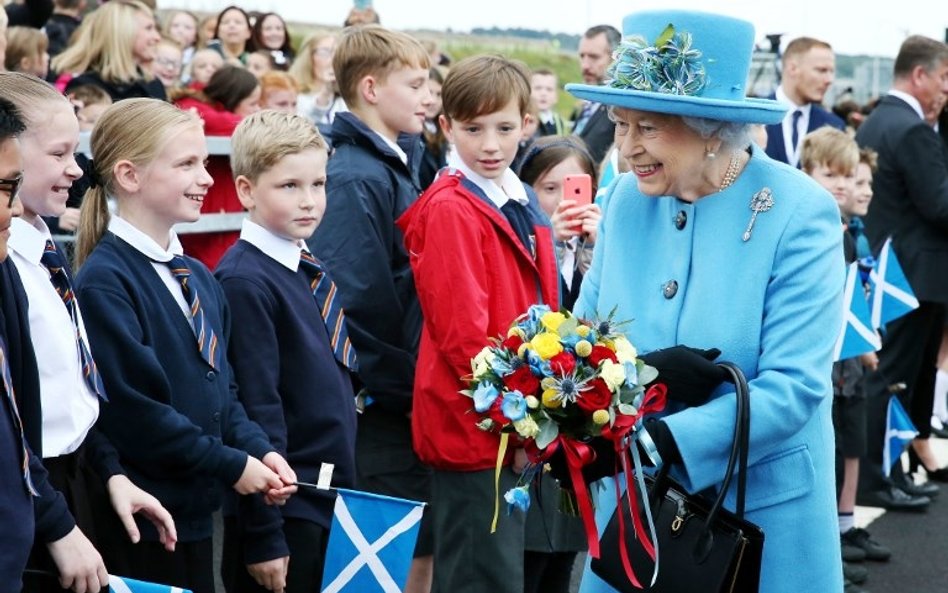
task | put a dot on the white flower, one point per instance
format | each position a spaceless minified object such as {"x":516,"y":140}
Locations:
{"x":613,"y":374}
{"x":625,"y":351}
{"x":526,"y":427}
{"x":481,"y":363}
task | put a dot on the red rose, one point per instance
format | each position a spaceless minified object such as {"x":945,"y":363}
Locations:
{"x":496,"y":414}
{"x":596,"y":397}
{"x":522,"y":380}
{"x":563,"y":363}
{"x":599,"y":354}
{"x":513,"y":343}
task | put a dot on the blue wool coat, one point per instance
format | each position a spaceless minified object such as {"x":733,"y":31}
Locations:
{"x":772,"y":305}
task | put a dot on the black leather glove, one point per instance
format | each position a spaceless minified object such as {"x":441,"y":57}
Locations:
{"x":664,"y":440}
{"x":689,"y":373}
{"x":604,"y":465}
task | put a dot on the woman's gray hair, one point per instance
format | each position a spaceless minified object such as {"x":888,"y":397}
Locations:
{"x":733,"y":135}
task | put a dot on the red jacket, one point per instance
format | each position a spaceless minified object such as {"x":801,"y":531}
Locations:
{"x":222,"y":196}
{"x":473,"y":277}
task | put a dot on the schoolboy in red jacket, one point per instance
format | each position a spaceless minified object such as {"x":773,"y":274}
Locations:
{"x":481,"y":254}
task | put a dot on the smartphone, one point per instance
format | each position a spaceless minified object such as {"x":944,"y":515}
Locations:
{"x":578,"y":188}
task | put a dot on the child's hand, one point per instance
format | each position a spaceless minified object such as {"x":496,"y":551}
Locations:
{"x":565,"y":220}
{"x":591,"y":217}
{"x":275,"y":461}
{"x":79,"y":564}
{"x":257,"y":477}
{"x":128,"y":499}
{"x":270,"y":574}
{"x":869,"y":360}
{"x":69,"y":221}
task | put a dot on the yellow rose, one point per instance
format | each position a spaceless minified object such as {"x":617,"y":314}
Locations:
{"x":546,"y":345}
{"x":599,"y":417}
{"x":552,"y":320}
{"x":582,"y":331}
{"x":613,"y":374}
{"x":625,"y":351}
{"x":583,"y":348}
{"x":532,"y":402}
{"x":551,"y":399}
{"x":527,"y":427}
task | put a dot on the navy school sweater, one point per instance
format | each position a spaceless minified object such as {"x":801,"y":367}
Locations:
{"x":291,"y":384}
{"x":179,"y":429}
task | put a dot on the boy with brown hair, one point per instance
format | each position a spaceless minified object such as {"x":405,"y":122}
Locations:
{"x":372,"y":178}
{"x":481,"y":253}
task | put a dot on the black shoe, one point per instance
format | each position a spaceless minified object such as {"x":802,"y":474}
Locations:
{"x":908,"y":486}
{"x":851,"y":552}
{"x":941,"y":433}
{"x":855,"y":573}
{"x":859,"y":539}
{"x":934,"y":475}
{"x":851,"y":587}
{"x":894,"y":499}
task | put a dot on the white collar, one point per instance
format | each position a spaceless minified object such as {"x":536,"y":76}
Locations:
{"x":510,"y":187}
{"x":29,"y":240}
{"x":912,"y":101}
{"x":782,"y":97}
{"x":124,"y":230}
{"x":394,"y":146}
{"x":285,"y":252}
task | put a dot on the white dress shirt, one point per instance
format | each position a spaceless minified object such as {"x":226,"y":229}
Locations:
{"x":70,"y":408}
{"x":507,"y":187}
{"x":124,"y":230}
{"x":394,"y":146}
{"x":793,"y":152}
{"x":912,"y":101}
{"x":284,"y":251}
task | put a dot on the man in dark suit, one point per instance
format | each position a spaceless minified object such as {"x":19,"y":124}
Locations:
{"x":809,"y":68}
{"x":591,"y":120}
{"x":910,"y":204}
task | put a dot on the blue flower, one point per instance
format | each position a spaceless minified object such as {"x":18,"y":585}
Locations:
{"x":518,"y":498}
{"x":540,"y":367}
{"x":514,"y":406}
{"x":484,"y":396}
{"x":631,"y":374}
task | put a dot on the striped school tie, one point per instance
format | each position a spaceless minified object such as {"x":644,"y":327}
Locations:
{"x":206,"y":338}
{"x":334,"y":318}
{"x":17,"y":423}
{"x":53,"y":261}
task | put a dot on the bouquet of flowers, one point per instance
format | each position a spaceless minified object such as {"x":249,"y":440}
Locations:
{"x":557,"y":381}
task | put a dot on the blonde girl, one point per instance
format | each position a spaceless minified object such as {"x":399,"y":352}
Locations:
{"x":158,"y":324}
{"x":27,"y":51}
{"x":113,"y":49}
{"x":319,"y":98}
{"x":67,"y":405}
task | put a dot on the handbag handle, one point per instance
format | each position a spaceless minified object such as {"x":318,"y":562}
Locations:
{"x":740,"y":446}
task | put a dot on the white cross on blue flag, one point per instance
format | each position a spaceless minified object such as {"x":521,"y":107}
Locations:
{"x":890,"y":295}
{"x":126,"y":585}
{"x":371,"y":543}
{"x":899,"y":432}
{"x":857,"y":335}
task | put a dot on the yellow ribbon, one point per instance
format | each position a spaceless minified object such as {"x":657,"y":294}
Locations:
{"x":501,"y":453}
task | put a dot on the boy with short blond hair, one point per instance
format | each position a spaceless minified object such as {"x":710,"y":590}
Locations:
{"x":292,"y":370}
{"x":481,"y":253}
{"x":544,"y":90}
{"x":372,"y":179}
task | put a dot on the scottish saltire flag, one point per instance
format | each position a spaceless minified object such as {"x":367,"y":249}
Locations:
{"x":126,"y":585}
{"x":890,"y":295}
{"x":857,"y":335}
{"x":371,"y":543}
{"x":899,"y":432}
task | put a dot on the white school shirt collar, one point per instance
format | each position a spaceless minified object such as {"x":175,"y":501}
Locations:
{"x":510,"y":187}
{"x":285,"y":252}
{"x":124,"y":230}
{"x":912,"y":101}
{"x":29,"y":240}
{"x":394,"y":146}
{"x":793,"y":152}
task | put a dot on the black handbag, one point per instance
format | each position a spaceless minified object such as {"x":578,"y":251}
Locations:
{"x":702,"y":547}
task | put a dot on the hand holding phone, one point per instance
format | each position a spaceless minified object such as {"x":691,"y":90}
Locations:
{"x":578,"y":188}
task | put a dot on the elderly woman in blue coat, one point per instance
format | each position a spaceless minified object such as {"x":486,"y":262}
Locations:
{"x":709,"y":243}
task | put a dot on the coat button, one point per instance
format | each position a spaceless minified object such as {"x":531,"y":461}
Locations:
{"x":211,"y":376}
{"x":670,"y":289}
{"x":681,"y":219}
{"x":216,"y":416}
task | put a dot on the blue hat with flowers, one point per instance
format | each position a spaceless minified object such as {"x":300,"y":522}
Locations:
{"x":683,"y":62}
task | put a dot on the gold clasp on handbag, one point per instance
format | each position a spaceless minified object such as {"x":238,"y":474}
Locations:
{"x":679,"y":520}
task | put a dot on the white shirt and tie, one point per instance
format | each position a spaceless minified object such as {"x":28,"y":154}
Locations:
{"x":795,"y":124}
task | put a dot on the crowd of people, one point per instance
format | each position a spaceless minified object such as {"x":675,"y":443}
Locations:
{"x":401,"y":209}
